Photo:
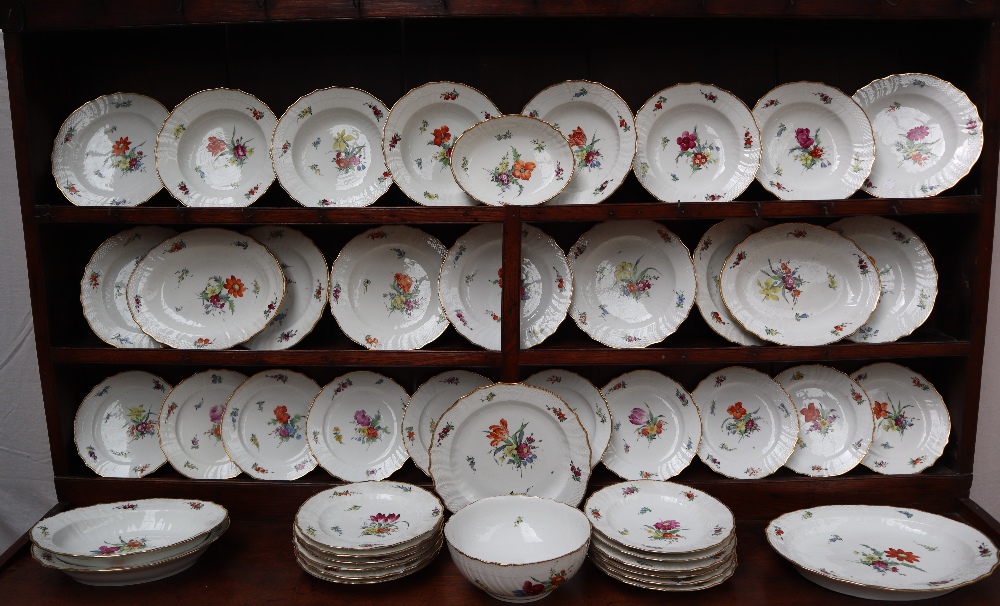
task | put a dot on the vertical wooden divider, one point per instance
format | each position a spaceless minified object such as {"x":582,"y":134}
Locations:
{"x":510,"y":300}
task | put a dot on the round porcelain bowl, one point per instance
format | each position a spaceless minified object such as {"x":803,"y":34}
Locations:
{"x":518,"y":548}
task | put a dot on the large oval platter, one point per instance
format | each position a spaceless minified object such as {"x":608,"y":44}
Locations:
{"x":585,"y":400}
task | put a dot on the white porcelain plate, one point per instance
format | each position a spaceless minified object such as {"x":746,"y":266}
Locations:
{"x":799,"y":284}
{"x":116,"y":427}
{"x":213,"y":149}
{"x":206,"y":288}
{"x":656,"y":428}
{"x":927,"y":132}
{"x":419,"y":134}
{"x":749,"y":427}
{"x":635,"y":283}
{"x":585,"y":400}
{"x":818,"y":143}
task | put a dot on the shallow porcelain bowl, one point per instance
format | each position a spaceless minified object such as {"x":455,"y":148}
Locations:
{"x":518,"y":548}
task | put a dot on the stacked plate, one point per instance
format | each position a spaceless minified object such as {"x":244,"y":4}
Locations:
{"x":129,"y":542}
{"x":662,"y":536}
{"x":368,"y":532}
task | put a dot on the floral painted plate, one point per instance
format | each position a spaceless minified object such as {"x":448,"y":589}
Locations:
{"x":354,"y":426}
{"x":665,"y":564}
{"x":509,"y":439}
{"x":327,"y":149}
{"x":635,"y":283}
{"x":585,"y":400}
{"x":212,"y":150}
{"x":836,"y":424}
{"x":306,"y":286}
{"x":748,"y":426}
{"x":709,"y":259}
{"x":657,"y":578}
{"x":370,"y":559}
{"x":799,"y":284}
{"x":102,"y":289}
{"x":264,"y":428}
{"x":380,"y":572}
{"x":818,"y":143}
{"x":512,"y":161}
{"x":419,"y":134}
{"x":912,"y":423}
{"x":428,"y":403}
{"x":600,"y":129}
{"x":882,"y":553}
{"x":657,"y":428}
{"x":666,"y":586}
{"x":696,"y":142}
{"x":383,"y":289}
{"x":191,"y":425}
{"x":470,"y":285}
{"x":206,"y":288}
{"x":927,"y":132}
{"x":102,"y":153}
{"x":906,"y":270}
{"x":115,"y":429}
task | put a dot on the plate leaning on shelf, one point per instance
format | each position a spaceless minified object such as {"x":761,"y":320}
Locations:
{"x":115,"y":429}
{"x":102,"y":289}
{"x":103,"y":153}
{"x":206,"y":288}
{"x":327,"y":149}
{"x":585,"y":400}
{"x":212,"y":150}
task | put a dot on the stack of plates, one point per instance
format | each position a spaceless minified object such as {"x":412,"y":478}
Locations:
{"x":368,"y":532}
{"x":129,"y":542}
{"x":662,"y":536}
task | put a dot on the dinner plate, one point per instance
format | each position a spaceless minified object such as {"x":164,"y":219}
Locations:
{"x":878,"y":552}
{"x":912,"y":423}
{"x":306,"y":286}
{"x":906,"y":270}
{"x":212,"y":150}
{"x":471,"y":281}
{"x":694,"y":579}
{"x":509,"y":438}
{"x":817,"y":141}
{"x":928,"y":135}
{"x":207,"y":288}
{"x":364,"y":579}
{"x":383,"y":289}
{"x":748,"y":426}
{"x":601,"y":131}
{"x":696,"y":142}
{"x":426,"y":406}
{"x":373,"y":558}
{"x":264,"y":428}
{"x":836,"y":424}
{"x":377,"y":571}
{"x":354,"y":426}
{"x":512,"y":161}
{"x":420,"y":132}
{"x":799,"y":284}
{"x":103,"y":152}
{"x":656,"y":430}
{"x":102,"y":288}
{"x":191,"y":424}
{"x":115,"y":429}
{"x":585,"y":400}
{"x":635,"y":283}
{"x":664,"y":568}
{"x":669,"y":561}
{"x":665,"y":585}
{"x":709,"y":258}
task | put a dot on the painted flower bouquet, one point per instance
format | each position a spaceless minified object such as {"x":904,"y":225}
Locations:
{"x":369,"y":429}
{"x":286,"y":426}
{"x":515,"y":449}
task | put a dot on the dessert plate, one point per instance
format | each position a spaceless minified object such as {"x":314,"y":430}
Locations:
{"x":818,"y":143}
{"x":115,"y":429}
{"x":212,"y":149}
{"x":102,"y":289}
{"x":748,"y":426}
{"x":600,"y":129}
{"x":585,"y":400}
{"x":928,"y":135}
{"x":657,"y":428}
{"x":327,"y":149}
{"x":206,"y":288}
{"x":471,"y":284}
{"x":635,"y":283}
{"x":102,"y":153}
{"x":696,"y":142}
{"x":799,"y":284}
{"x":354,"y":426}
{"x":419,"y":134}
